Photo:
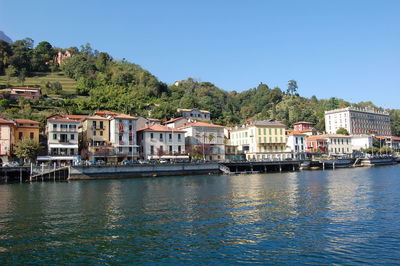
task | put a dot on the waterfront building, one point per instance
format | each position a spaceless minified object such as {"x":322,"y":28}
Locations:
{"x":358,"y":121}
{"x":25,"y":92}
{"x":296,"y":144}
{"x":62,"y":139}
{"x":391,"y":142}
{"x":205,"y":140}
{"x":260,"y":140}
{"x":177,"y":122}
{"x":194,"y":113}
{"x":338,"y":144}
{"x":305,"y":128}
{"x":26,"y":129}
{"x":95,"y":138}
{"x":123,"y":136}
{"x":161,"y":142}
{"x":6,"y":139}
{"x":360,"y":142}
{"x":316,"y":144}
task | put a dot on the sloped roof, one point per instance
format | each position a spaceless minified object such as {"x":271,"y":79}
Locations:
{"x":125,"y":116}
{"x":160,"y":128}
{"x":26,"y":121}
{"x":303,"y":122}
{"x":173,"y":120}
{"x":292,"y":133}
{"x":201,"y":124}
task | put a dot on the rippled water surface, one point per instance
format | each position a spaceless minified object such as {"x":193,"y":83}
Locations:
{"x":346,"y":216}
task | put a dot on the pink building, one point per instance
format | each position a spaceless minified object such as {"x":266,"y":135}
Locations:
{"x":305,"y":127}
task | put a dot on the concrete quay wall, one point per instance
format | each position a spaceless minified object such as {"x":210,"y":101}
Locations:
{"x":148,"y":170}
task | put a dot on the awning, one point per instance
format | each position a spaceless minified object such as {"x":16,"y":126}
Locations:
{"x":64,"y":146}
{"x":57,"y":158}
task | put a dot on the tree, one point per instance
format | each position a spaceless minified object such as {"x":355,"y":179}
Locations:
{"x":292,"y":87}
{"x":27,"y":149}
{"x":342,"y":131}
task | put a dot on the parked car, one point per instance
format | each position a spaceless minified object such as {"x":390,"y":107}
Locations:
{"x":163,"y":161}
{"x":11,"y":164}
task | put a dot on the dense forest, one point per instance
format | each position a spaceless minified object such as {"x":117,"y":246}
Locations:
{"x":103,"y":82}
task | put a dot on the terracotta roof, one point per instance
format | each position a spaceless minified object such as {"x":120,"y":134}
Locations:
{"x":66,"y":120}
{"x":105,"y":112}
{"x":95,"y":117}
{"x":4,"y":121}
{"x":153,"y":119}
{"x":173,"y":120}
{"x":292,"y":132}
{"x":303,"y":122}
{"x":201,"y":124}
{"x":76,"y":117}
{"x":334,"y":136}
{"x":319,"y":137}
{"x":26,"y":121}
{"x":161,"y":128}
{"x":125,"y":116}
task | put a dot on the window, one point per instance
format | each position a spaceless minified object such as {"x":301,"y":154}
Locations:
{"x":265,"y":131}
{"x":161,"y":137}
{"x":151,"y":135}
{"x":120,"y":149}
{"x":179,"y":137}
{"x":259,"y":131}
{"x":179,"y":149}
{"x":20,"y":135}
{"x":72,"y":126}
{"x":130,"y":149}
{"x":152,"y":149}
{"x":54,"y":126}
{"x":72,"y":137}
{"x":170,"y":136}
{"x":94,"y":123}
{"x":94,"y":132}
{"x":101,"y":133}
{"x":170,"y":149}
{"x":101,"y":124}
{"x":54,"y":136}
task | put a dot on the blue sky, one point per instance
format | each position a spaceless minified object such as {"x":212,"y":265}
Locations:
{"x":345,"y":49}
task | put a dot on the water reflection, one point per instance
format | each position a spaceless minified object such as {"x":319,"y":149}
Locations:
{"x":341,"y":216}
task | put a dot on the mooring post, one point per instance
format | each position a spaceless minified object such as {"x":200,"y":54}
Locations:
{"x":54,"y":171}
{"x":280,"y":167}
{"x":20,"y":174}
{"x":323,"y":166}
{"x":333,"y":165}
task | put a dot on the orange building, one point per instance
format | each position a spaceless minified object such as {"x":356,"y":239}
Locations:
{"x":26,"y":129}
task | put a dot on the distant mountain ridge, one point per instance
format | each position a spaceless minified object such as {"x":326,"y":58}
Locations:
{"x":4,"y":37}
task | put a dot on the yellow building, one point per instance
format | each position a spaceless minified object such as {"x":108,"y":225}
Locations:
{"x":95,"y":137}
{"x":260,"y":140}
{"x":26,"y":129}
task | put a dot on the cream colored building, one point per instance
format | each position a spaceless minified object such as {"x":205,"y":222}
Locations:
{"x":358,"y":121}
{"x":338,"y":144}
{"x":260,"y":140}
{"x":6,"y":139}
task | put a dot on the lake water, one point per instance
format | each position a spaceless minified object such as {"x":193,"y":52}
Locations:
{"x":344,"y":216}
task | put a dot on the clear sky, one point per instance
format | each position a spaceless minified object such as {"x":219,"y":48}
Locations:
{"x":348,"y":49}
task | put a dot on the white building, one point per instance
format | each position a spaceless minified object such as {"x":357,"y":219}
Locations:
{"x":177,"y":122}
{"x":62,"y":139}
{"x":358,"y":121}
{"x":296,"y":144}
{"x":258,"y":140}
{"x":161,"y":142}
{"x":359,"y":142}
{"x":205,"y":140}
{"x":194,"y":113}
{"x":123,"y":135}
{"x":338,"y":144}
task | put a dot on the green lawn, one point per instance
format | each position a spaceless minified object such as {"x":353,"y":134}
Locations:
{"x":40,"y":79}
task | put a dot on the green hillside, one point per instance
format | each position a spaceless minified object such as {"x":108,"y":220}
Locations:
{"x":41,"y":80}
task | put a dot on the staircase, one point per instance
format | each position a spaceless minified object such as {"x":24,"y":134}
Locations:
{"x":225,"y":169}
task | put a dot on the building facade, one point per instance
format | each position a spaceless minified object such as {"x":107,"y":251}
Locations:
{"x":95,"y":138}
{"x":360,"y":142}
{"x":296,"y":144}
{"x":305,"y":128}
{"x":161,"y":142}
{"x":338,"y":144}
{"x":194,"y":113}
{"x":317,"y":144}
{"x":6,"y":139}
{"x":260,"y":140}
{"x":205,"y":140}
{"x":358,"y":121}
{"x":123,"y":136}
{"x":26,"y":129}
{"x":25,"y":92}
{"x":62,"y":139}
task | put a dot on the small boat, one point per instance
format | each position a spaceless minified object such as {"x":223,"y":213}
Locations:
{"x":305,"y":165}
{"x":379,"y":160}
{"x":337,"y":163}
